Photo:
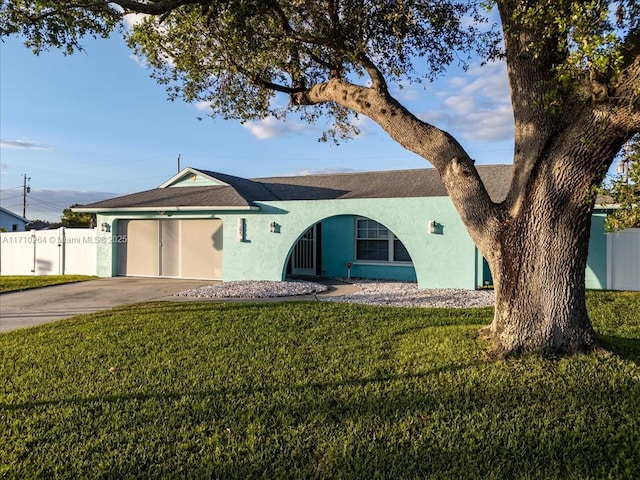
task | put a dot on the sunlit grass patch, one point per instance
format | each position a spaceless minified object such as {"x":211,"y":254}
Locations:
{"x":310,"y":390}
{"x":11,"y":283}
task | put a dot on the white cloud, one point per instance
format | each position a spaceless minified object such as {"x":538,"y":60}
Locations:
{"x":457,"y":82}
{"x":271,"y":127}
{"x":132,"y":19}
{"x":141,"y":61}
{"x":439,"y":118}
{"x":24,"y":145}
{"x":406,"y":92}
{"x":203,"y":106}
{"x":476,"y":106}
{"x":460,"y":104}
{"x":488,"y":125}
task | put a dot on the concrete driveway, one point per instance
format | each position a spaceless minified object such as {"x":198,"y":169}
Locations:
{"x":48,"y":304}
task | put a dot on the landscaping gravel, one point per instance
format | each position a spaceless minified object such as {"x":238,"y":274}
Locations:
{"x":370,"y":292}
{"x":403,"y":294}
{"x":255,"y":289}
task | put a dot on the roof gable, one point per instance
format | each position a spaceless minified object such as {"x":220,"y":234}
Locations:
{"x":190,"y":177}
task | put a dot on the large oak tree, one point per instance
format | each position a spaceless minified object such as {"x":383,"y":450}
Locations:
{"x":574,"y":74}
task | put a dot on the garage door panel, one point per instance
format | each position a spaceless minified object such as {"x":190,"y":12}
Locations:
{"x":139,"y":257}
{"x":170,"y":248}
{"x":201,"y":249}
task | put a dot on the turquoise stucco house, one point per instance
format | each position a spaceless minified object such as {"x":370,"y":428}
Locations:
{"x":398,"y":225}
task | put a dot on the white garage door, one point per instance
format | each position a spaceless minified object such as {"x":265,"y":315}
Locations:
{"x":171,"y":248}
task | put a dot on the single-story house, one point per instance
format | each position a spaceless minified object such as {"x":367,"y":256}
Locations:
{"x":12,"y":222}
{"x":398,"y":225}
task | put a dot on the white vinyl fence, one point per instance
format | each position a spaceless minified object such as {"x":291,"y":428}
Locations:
{"x":623,"y":260}
{"x":65,"y":251}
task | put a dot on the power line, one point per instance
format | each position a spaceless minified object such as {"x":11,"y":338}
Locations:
{"x":50,"y":207}
{"x":45,"y":202}
{"x":14,"y":196}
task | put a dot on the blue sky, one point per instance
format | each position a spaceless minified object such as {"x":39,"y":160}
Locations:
{"x":95,"y":125}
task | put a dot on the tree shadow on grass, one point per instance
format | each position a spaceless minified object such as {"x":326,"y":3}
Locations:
{"x":386,"y":426}
{"x":243,"y":391}
{"x":624,"y":347}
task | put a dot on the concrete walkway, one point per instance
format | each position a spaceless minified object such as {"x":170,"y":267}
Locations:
{"x":48,"y":304}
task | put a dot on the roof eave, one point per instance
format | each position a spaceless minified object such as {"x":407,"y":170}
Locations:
{"x":163,"y":209}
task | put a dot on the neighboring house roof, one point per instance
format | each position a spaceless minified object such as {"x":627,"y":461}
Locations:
{"x":40,"y":225}
{"x":241,"y":193}
{"x":14,"y":215}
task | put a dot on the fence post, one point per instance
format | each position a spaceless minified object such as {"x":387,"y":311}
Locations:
{"x":35,"y":253}
{"x":62,"y":246}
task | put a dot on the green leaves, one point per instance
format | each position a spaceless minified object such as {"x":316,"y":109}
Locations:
{"x":624,"y":192}
{"x":54,"y":23}
{"x":582,"y":44}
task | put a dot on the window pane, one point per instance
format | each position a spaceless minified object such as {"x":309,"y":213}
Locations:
{"x":400,"y":253}
{"x":370,"y":229}
{"x":373,"y":250}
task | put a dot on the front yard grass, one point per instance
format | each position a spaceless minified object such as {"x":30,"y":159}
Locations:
{"x":313,"y":390}
{"x":13,"y":283}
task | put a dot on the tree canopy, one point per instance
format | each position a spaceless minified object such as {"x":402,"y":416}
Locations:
{"x":71,"y":219}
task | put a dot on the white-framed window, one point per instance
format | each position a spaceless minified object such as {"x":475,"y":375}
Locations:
{"x":376,"y":243}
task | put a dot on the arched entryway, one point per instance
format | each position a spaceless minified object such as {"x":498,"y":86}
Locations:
{"x":306,"y":258}
{"x":372,"y":249}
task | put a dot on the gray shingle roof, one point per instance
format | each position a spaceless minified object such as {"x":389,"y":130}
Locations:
{"x":220,"y":196}
{"x":242,"y":192}
{"x":385,"y":184}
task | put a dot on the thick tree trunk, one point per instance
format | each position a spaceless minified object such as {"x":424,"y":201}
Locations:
{"x":538,"y":260}
{"x":540,"y":293}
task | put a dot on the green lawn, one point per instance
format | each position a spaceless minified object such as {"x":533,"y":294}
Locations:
{"x":313,"y":390}
{"x":12,"y":283}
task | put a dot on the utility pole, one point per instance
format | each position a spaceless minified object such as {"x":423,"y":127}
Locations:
{"x":25,"y":189}
{"x":178,"y":163}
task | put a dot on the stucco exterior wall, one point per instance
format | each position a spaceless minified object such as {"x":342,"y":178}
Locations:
{"x":444,"y":259}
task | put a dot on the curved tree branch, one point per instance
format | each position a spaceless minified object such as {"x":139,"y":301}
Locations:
{"x":456,"y":168}
{"x":153,"y":7}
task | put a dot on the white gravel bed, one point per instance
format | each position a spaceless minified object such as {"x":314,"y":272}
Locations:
{"x":371,"y":292}
{"x":255,"y":289}
{"x":403,"y":294}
